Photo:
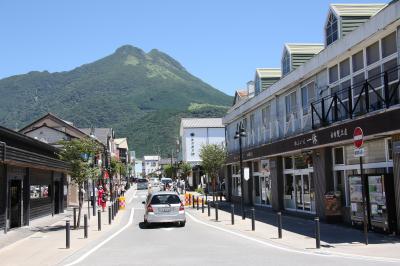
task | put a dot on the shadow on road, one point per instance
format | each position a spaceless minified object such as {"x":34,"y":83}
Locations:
{"x":143,"y":225}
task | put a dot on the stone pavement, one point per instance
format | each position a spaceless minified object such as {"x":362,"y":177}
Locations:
{"x":299,"y":233}
{"x":43,"y":242}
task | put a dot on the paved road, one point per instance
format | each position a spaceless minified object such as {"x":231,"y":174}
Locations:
{"x":195,"y":244}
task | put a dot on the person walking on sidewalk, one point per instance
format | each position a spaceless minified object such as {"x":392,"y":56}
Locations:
{"x":101,"y":198}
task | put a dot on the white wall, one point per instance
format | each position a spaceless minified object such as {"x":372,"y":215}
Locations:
{"x":202,"y":136}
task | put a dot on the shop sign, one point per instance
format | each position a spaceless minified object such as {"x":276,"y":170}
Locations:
{"x":246,"y":171}
{"x":306,"y":141}
{"x":338,"y":133}
{"x":359,"y":152}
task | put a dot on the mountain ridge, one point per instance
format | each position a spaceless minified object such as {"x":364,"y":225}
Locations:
{"x":129,"y":90}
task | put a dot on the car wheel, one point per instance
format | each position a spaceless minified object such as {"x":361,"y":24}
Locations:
{"x":182,"y":224}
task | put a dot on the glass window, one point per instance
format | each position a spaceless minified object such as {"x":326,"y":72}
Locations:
{"x":358,"y":82}
{"x":373,"y":53}
{"x":389,"y":45}
{"x":374,"y":77}
{"x":358,"y":61}
{"x":290,"y":101}
{"x":333,"y":74}
{"x":266,"y":112}
{"x":390,"y":67}
{"x":331,"y":29}
{"x":256,"y":166}
{"x":285,"y":63}
{"x":288,"y":162}
{"x":39,"y":191}
{"x":339,"y":157}
{"x":345,"y":68}
{"x":300,"y":162}
{"x":307,"y":96}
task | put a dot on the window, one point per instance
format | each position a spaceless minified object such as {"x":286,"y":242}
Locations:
{"x":288,"y":161}
{"x":358,"y":61}
{"x":39,"y":191}
{"x":339,"y":156}
{"x":390,"y":150}
{"x":252,"y":128}
{"x":333,"y":74}
{"x":266,"y":112}
{"x":290,"y":101}
{"x":373,"y":53}
{"x":345,"y":68}
{"x":307,"y":96}
{"x":389,"y":45}
{"x":256,"y":166}
{"x":285,"y":63}
{"x":392,"y":75}
{"x":331,"y":29}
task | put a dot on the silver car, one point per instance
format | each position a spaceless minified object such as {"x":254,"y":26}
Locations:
{"x":164,"y":207}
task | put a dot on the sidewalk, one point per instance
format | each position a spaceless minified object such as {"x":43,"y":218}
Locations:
{"x":43,"y":242}
{"x":299,"y":233}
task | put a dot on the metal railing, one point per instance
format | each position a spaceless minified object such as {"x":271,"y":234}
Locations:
{"x":375,"y":93}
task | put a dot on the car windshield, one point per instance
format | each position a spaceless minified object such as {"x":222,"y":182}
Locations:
{"x":142,"y":180}
{"x":166,"y":181}
{"x":165,"y":199}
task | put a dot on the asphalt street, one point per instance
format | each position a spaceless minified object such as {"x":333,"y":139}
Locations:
{"x":194,"y":244}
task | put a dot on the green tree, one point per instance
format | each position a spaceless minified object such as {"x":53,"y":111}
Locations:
{"x":168,"y":170}
{"x":213,"y":159}
{"x":186,"y":169}
{"x":77,"y":153}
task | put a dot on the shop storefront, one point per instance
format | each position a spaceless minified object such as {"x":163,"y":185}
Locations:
{"x":262,"y":183}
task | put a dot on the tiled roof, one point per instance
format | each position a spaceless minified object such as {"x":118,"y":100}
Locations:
{"x":304,"y":48}
{"x":122,"y":143}
{"x":242,"y":93}
{"x":201,"y":122}
{"x":269,"y":72}
{"x":350,"y":10}
{"x":100,"y":133}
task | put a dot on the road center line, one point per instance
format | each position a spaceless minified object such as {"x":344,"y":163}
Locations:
{"x":341,"y":255}
{"x":84,"y":256}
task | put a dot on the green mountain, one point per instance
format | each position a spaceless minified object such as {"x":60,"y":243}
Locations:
{"x":141,"y":95}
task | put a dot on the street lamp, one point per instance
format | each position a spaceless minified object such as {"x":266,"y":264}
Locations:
{"x":240,"y":132}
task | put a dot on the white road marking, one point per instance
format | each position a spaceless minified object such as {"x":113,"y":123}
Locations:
{"x":317,"y":253}
{"x":84,"y":256}
{"x":134,"y":196}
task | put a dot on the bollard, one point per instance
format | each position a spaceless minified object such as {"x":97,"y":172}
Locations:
{"x":112,"y":210}
{"x":109,"y":215}
{"x":85,"y":226}
{"x":193,"y":201}
{"x":67,"y":234}
{"x":202,"y":205}
{"x":99,"y":220}
{"x":232,"y":214}
{"x":317,"y":233}
{"x":216,"y":211}
{"x":74,"y":218}
{"x":253,"y":218}
{"x":220,"y":197}
{"x":197,"y":203}
{"x":208,"y":207}
{"x":279,"y":225}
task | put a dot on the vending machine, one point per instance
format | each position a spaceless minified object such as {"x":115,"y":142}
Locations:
{"x":380,"y":201}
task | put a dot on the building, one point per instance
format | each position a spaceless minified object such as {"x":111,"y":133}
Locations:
{"x":151,"y":165}
{"x":138,"y":168}
{"x":299,"y":131}
{"x":194,"y":133}
{"x":51,"y":129}
{"x":33,"y":181}
{"x":122,"y":149}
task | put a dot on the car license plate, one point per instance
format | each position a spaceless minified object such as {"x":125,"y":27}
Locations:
{"x":165,"y":209}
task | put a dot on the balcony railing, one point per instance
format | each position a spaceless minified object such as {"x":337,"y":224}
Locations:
{"x":375,"y":93}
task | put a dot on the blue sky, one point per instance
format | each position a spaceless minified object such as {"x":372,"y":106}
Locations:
{"x":219,"y":41}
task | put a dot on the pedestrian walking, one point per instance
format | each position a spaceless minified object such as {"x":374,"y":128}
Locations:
{"x":101,"y":198}
{"x":123,"y":190}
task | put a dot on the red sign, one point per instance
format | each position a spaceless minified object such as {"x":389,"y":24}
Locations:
{"x":358,"y":137}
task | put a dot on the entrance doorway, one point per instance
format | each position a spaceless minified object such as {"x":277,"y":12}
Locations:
{"x":262,"y":186}
{"x":299,"y":191}
{"x":15,"y":210}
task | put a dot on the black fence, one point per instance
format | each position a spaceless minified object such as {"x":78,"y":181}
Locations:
{"x":375,"y":93}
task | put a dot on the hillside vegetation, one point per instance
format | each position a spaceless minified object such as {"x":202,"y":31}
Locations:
{"x":141,"y":95}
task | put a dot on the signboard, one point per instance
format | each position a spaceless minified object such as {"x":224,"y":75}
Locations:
{"x":358,"y":136}
{"x":246,"y":171}
{"x":359,"y":152}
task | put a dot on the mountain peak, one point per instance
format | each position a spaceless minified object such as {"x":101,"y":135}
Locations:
{"x":129,"y":50}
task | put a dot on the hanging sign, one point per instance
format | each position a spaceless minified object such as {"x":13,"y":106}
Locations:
{"x":246,"y":171}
